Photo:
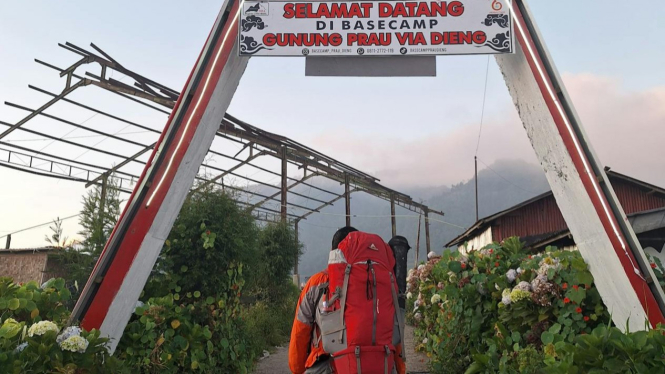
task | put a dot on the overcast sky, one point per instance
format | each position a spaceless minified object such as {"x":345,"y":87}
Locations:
{"x":406,"y":131}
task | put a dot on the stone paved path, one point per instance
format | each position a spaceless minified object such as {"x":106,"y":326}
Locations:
{"x":278,"y":361}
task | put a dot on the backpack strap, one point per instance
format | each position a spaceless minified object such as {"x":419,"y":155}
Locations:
{"x":321,"y":290}
{"x":398,"y":314}
{"x":345,"y":287}
{"x":385,"y":360}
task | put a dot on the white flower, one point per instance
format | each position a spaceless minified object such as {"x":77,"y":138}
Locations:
{"x":41,"y":328}
{"x":497,"y":287}
{"x":523,"y":286}
{"x":75,"y":343}
{"x":519,"y":271}
{"x":421,"y":267}
{"x":511,"y":275}
{"x":68,"y":333}
{"x":505,"y":296}
{"x":431,"y":255}
{"x":538,"y":281}
{"x":425,"y":341}
{"x":436,"y":298}
{"x":20,"y":347}
{"x":409,"y":295}
{"x":548,"y":263}
{"x":418,"y":316}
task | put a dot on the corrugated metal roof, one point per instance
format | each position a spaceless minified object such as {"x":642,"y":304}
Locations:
{"x":29,"y":250}
{"x":635,"y":196}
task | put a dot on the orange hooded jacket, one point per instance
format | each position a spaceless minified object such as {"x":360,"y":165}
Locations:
{"x":302,"y":353}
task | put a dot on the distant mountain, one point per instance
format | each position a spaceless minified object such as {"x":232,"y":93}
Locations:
{"x":504,"y":184}
{"x":507,"y":183}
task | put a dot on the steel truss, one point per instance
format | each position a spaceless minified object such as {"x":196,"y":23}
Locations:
{"x":160,"y":98}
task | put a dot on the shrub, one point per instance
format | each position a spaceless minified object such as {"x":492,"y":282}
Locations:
{"x":500,"y":308}
{"x":210,"y":233}
{"x":31,"y":340}
{"x":31,"y":303}
{"x":608,"y":350}
{"x":269,"y":323}
{"x":279,"y":250}
{"x":186,"y":331}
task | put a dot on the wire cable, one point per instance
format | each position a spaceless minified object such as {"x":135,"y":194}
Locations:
{"x":482,"y":112}
{"x":502,"y":177}
{"x":40,"y":225}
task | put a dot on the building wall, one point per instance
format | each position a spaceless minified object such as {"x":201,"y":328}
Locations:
{"x":635,"y":199}
{"x":536,"y":218}
{"x":477,"y":242}
{"x":23,"y":267}
{"x":544,"y":215}
{"x":54,"y":268}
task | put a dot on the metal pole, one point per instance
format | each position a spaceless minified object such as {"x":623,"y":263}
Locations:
{"x":393,"y":219}
{"x":284,"y":181}
{"x":427,"y":241}
{"x":347,"y":198}
{"x":475,"y":161}
{"x":418,"y":241}
{"x":296,"y":276}
{"x":9,"y":241}
{"x":64,"y":93}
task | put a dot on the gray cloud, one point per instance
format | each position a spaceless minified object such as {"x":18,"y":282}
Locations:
{"x":627,"y":130}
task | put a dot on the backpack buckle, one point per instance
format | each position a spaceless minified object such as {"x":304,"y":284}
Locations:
{"x":357,"y":351}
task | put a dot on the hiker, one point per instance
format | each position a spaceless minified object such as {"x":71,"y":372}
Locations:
{"x":306,"y":348}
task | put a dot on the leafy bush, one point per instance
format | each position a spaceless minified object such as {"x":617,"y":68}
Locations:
{"x":210,"y":233}
{"x":608,"y":350}
{"x":31,"y":303}
{"x":502,"y":309}
{"x":279,"y":249}
{"x":188,"y":331}
{"x":269,"y":323}
{"x":31,"y":344}
{"x":181,"y":328}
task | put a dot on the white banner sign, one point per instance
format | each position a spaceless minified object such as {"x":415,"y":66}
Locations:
{"x":375,"y":28}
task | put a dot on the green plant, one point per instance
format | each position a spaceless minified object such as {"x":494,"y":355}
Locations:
{"x":100,"y":212}
{"x":497,"y":309}
{"x":32,"y":303}
{"x":269,"y":323}
{"x":30,"y":336}
{"x":189,"y":331}
{"x":608,"y":350}
{"x":57,"y":238}
{"x":278,"y":245}
{"x":210,"y":233}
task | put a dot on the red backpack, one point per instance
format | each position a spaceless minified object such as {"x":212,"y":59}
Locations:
{"x":357,"y":312}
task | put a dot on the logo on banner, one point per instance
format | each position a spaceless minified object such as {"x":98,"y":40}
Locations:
{"x":497,"y":6}
{"x":251,"y":8}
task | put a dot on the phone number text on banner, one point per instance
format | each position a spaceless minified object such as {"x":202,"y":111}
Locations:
{"x":375,"y":28}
